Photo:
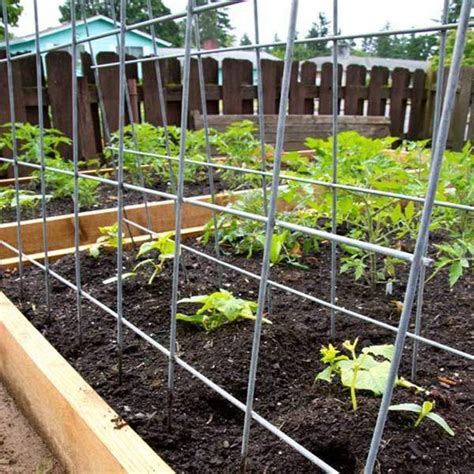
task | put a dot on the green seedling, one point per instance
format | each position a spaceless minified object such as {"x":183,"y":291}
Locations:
{"x":366,"y":371}
{"x":108,"y":238}
{"x":424,"y":411}
{"x":217,"y":309}
{"x":165,"y":246}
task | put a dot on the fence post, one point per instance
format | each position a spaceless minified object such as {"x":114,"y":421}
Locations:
{"x":417,"y":105}
{"x":237,"y":73}
{"x":355,"y":89}
{"x":398,"y":100}
{"x":378,"y":90}
{"x":272,"y":72}
{"x":299,"y":102}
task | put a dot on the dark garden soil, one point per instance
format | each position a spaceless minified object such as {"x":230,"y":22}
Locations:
{"x":107,"y":198}
{"x":206,"y":430}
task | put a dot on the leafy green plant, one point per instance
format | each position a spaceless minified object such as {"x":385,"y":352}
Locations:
{"x":457,"y":255}
{"x":108,"y":238}
{"x":27,"y":199}
{"x":27,"y":136}
{"x":366,"y":371}
{"x":424,"y":411}
{"x":165,"y":246}
{"x":247,"y":236}
{"x":217,"y":309}
{"x":60,"y":185}
{"x":241,"y":147}
{"x":146,"y":138}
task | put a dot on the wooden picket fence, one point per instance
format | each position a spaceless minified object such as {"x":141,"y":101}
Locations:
{"x":405,"y":97}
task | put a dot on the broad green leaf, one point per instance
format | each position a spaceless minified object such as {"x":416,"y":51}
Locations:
{"x":372,"y":379}
{"x":325,"y":375}
{"x":384,"y":350}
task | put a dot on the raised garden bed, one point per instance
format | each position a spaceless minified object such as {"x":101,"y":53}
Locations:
{"x":85,"y":434}
{"x":319,"y":416}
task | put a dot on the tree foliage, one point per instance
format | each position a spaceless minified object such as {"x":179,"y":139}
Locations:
{"x":412,"y":46}
{"x":14,"y":10}
{"x":215,"y":25}
{"x":318,"y":29}
{"x":137,"y":11}
{"x":245,"y":40}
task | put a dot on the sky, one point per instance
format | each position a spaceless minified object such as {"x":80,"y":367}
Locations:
{"x":355,"y":16}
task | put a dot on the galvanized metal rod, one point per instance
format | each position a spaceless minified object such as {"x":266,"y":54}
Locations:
{"x":39,"y":92}
{"x":75,"y":157}
{"x":316,"y":182}
{"x":161,"y":97}
{"x":208,"y":382}
{"x":335,"y":112}
{"x":270,"y":225}
{"x":423,"y":234}
{"x":122,"y":87}
{"x":261,"y":126}
{"x":135,"y":26}
{"x":210,"y":170}
{"x":16,"y":171}
{"x":436,"y":118}
{"x":178,"y":208}
{"x":260,"y":109}
{"x":100,"y":95}
{"x":323,"y":39}
{"x":128,"y":103}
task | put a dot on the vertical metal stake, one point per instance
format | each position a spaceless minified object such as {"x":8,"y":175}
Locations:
{"x":285,"y":86}
{"x":423,"y":234}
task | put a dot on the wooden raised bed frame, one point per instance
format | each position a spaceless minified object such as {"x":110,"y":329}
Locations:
{"x":81,"y":429}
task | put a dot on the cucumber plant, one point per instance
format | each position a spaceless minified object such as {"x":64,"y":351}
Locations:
{"x":108,"y":239}
{"x":424,"y":411}
{"x":217,"y":309}
{"x":366,"y":370}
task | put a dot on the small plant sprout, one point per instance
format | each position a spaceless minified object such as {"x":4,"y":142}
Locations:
{"x":165,"y":247}
{"x":424,"y":411}
{"x":108,"y":238}
{"x":367,"y":370}
{"x":219,"y":308}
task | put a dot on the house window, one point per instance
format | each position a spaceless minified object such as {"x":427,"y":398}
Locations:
{"x":136,"y":51}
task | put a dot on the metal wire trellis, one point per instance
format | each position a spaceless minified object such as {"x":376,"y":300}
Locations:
{"x":418,"y":259}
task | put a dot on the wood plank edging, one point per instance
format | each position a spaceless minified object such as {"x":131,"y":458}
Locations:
{"x":72,"y":418}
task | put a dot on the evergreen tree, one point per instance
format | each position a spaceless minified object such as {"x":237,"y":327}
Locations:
{"x":245,"y":40}
{"x":318,"y":29}
{"x":137,"y":11}
{"x":14,"y":10}
{"x":215,"y":25}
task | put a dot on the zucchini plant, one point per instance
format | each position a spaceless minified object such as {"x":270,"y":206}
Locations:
{"x":217,"y":309}
{"x":366,"y":370}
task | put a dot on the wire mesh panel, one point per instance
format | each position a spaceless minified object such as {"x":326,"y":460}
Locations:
{"x":273,"y":179}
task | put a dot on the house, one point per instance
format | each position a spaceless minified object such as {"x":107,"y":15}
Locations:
{"x":346,"y":59}
{"x":138,"y":43}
